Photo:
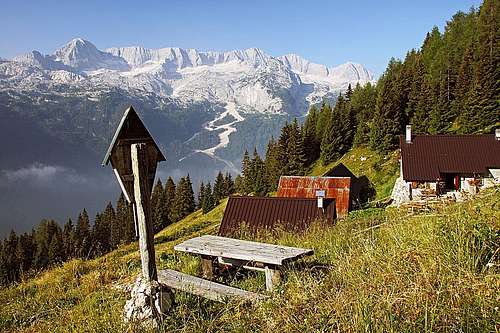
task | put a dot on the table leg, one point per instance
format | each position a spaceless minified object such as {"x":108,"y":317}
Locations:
{"x":207,"y":267}
{"x":273,"y":277}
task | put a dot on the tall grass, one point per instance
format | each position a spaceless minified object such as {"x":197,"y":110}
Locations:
{"x":376,"y":271}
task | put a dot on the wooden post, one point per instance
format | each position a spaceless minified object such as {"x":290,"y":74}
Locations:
{"x":207,"y":267}
{"x":143,"y":210}
{"x":273,"y":277}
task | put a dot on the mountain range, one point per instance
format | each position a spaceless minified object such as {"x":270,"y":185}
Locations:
{"x":203,"y":108}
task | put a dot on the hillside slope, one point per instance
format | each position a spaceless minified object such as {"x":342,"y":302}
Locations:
{"x":379,"y":270}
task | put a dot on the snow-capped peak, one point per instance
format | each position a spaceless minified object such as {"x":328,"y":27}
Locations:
{"x":83,"y":55}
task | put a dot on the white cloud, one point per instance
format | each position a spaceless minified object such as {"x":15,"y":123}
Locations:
{"x":41,"y":174}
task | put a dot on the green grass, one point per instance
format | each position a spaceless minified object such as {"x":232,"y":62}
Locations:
{"x":378,"y":270}
{"x":381,"y":170}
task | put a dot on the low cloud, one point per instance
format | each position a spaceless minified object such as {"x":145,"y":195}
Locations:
{"x":41,"y":174}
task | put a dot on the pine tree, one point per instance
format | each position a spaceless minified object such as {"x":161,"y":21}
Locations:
{"x":218,"y":192}
{"x":311,"y":145}
{"x":295,"y":151}
{"x":191,"y":204}
{"x":169,"y":198}
{"x":208,"y":199}
{"x":4,"y":271}
{"x":282,"y":149}
{"x":247,"y":176}
{"x":159,"y":210}
{"x":324,"y":116}
{"x":42,"y":239}
{"x":228,"y":185}
{"x":260,"y":186}
{"x":239,"y":185}
{"x":55,"y":248}
{"x":348,"y":93}
{"x":82,"y":231}
{"x":68,"y":237}
{"x":363,"y":104}
{"x":333,"y":137}
{"x":24,"y":253}
{"x":388,"y":121}
{"x":125,"y":219}
{"x":272,"y":165}
{"x":11,"y":261}
{"x":201,"y":196}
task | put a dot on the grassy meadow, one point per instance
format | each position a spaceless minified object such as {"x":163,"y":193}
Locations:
{"x":376,"y":271}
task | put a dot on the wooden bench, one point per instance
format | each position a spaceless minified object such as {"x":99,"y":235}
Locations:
{"x":204,"y":288}
{"x":268,"y":258}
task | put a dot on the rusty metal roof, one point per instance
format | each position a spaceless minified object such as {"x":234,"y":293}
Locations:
{"x":270,"y":213}
{"x":427,"y":157}
{"x":337,"y":188}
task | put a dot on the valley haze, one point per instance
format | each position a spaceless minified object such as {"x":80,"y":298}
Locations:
{"x":204,"y":109}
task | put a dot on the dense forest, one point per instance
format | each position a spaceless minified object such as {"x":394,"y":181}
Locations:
{"x":449,"y":85}
{"x":50,"y":244}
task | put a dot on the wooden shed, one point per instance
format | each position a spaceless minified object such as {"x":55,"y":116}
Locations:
{"x":337,"y":188}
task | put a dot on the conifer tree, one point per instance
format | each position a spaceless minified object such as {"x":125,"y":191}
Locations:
{"x":24,"y":253}
{"x":218,"y":191}
{"x":247,"y":175}
{"x":295,"y":151}
{"x":239,"y":185}
{"x":311,"y":145}
{"x":68,"y":237}
{"x":191,"y":204}
{"x":388,"y":121}
{"x":169,"y":198}
{"x":260,"y":186}
{"x":125,"y":219}
{"x":201,"y":196}
{"x":333,"y":137}
{"x":82,"y":231}
{"x":157,"y":206}
{"x":208,"y":199}
{"x":324,"y":116}
{"x":228,"y":184}
{"x":55,"y":248}
{"x":4,"y":272}
{"x":11,"y":261}
{"x":273,"y":165}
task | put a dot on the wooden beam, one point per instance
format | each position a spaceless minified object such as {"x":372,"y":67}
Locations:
{"x":143,"y":210}
{"x":273,"y":277}
{"x":207,"y":267}
{"x":204,"y":288}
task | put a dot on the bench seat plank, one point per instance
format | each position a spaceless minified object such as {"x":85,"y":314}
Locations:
{"x":217,"y":246}
{"x":208,"y":289}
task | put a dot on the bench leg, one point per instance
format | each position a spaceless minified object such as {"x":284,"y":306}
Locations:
{"x":207,"y":267}
{"x":273,"y":277}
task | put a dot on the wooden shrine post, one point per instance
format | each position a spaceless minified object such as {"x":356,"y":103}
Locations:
{"x":143,"y":210}
{"x":134,"y":157}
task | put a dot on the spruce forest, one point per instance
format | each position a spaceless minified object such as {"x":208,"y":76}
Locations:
{"x":450,"y":84}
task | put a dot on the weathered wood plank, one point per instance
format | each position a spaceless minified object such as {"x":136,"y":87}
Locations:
{"x":204,"y":288}
{"x":143,"y":210}
{"x":242,"y":250}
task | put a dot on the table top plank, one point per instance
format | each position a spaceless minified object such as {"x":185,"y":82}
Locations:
{"x":242,"y":250}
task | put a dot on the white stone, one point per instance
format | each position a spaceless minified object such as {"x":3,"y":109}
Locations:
{"x":148,"y":302}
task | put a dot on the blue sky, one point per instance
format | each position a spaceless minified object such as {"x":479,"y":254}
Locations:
{"x":327,"y":32}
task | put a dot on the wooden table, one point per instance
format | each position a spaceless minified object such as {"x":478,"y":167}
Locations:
{"x":269,"y":258}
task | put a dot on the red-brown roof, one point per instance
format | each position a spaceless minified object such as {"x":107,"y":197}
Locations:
{"x":337,"y":188}
{"x":427,"y":157}
{"x":269,"y":213}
